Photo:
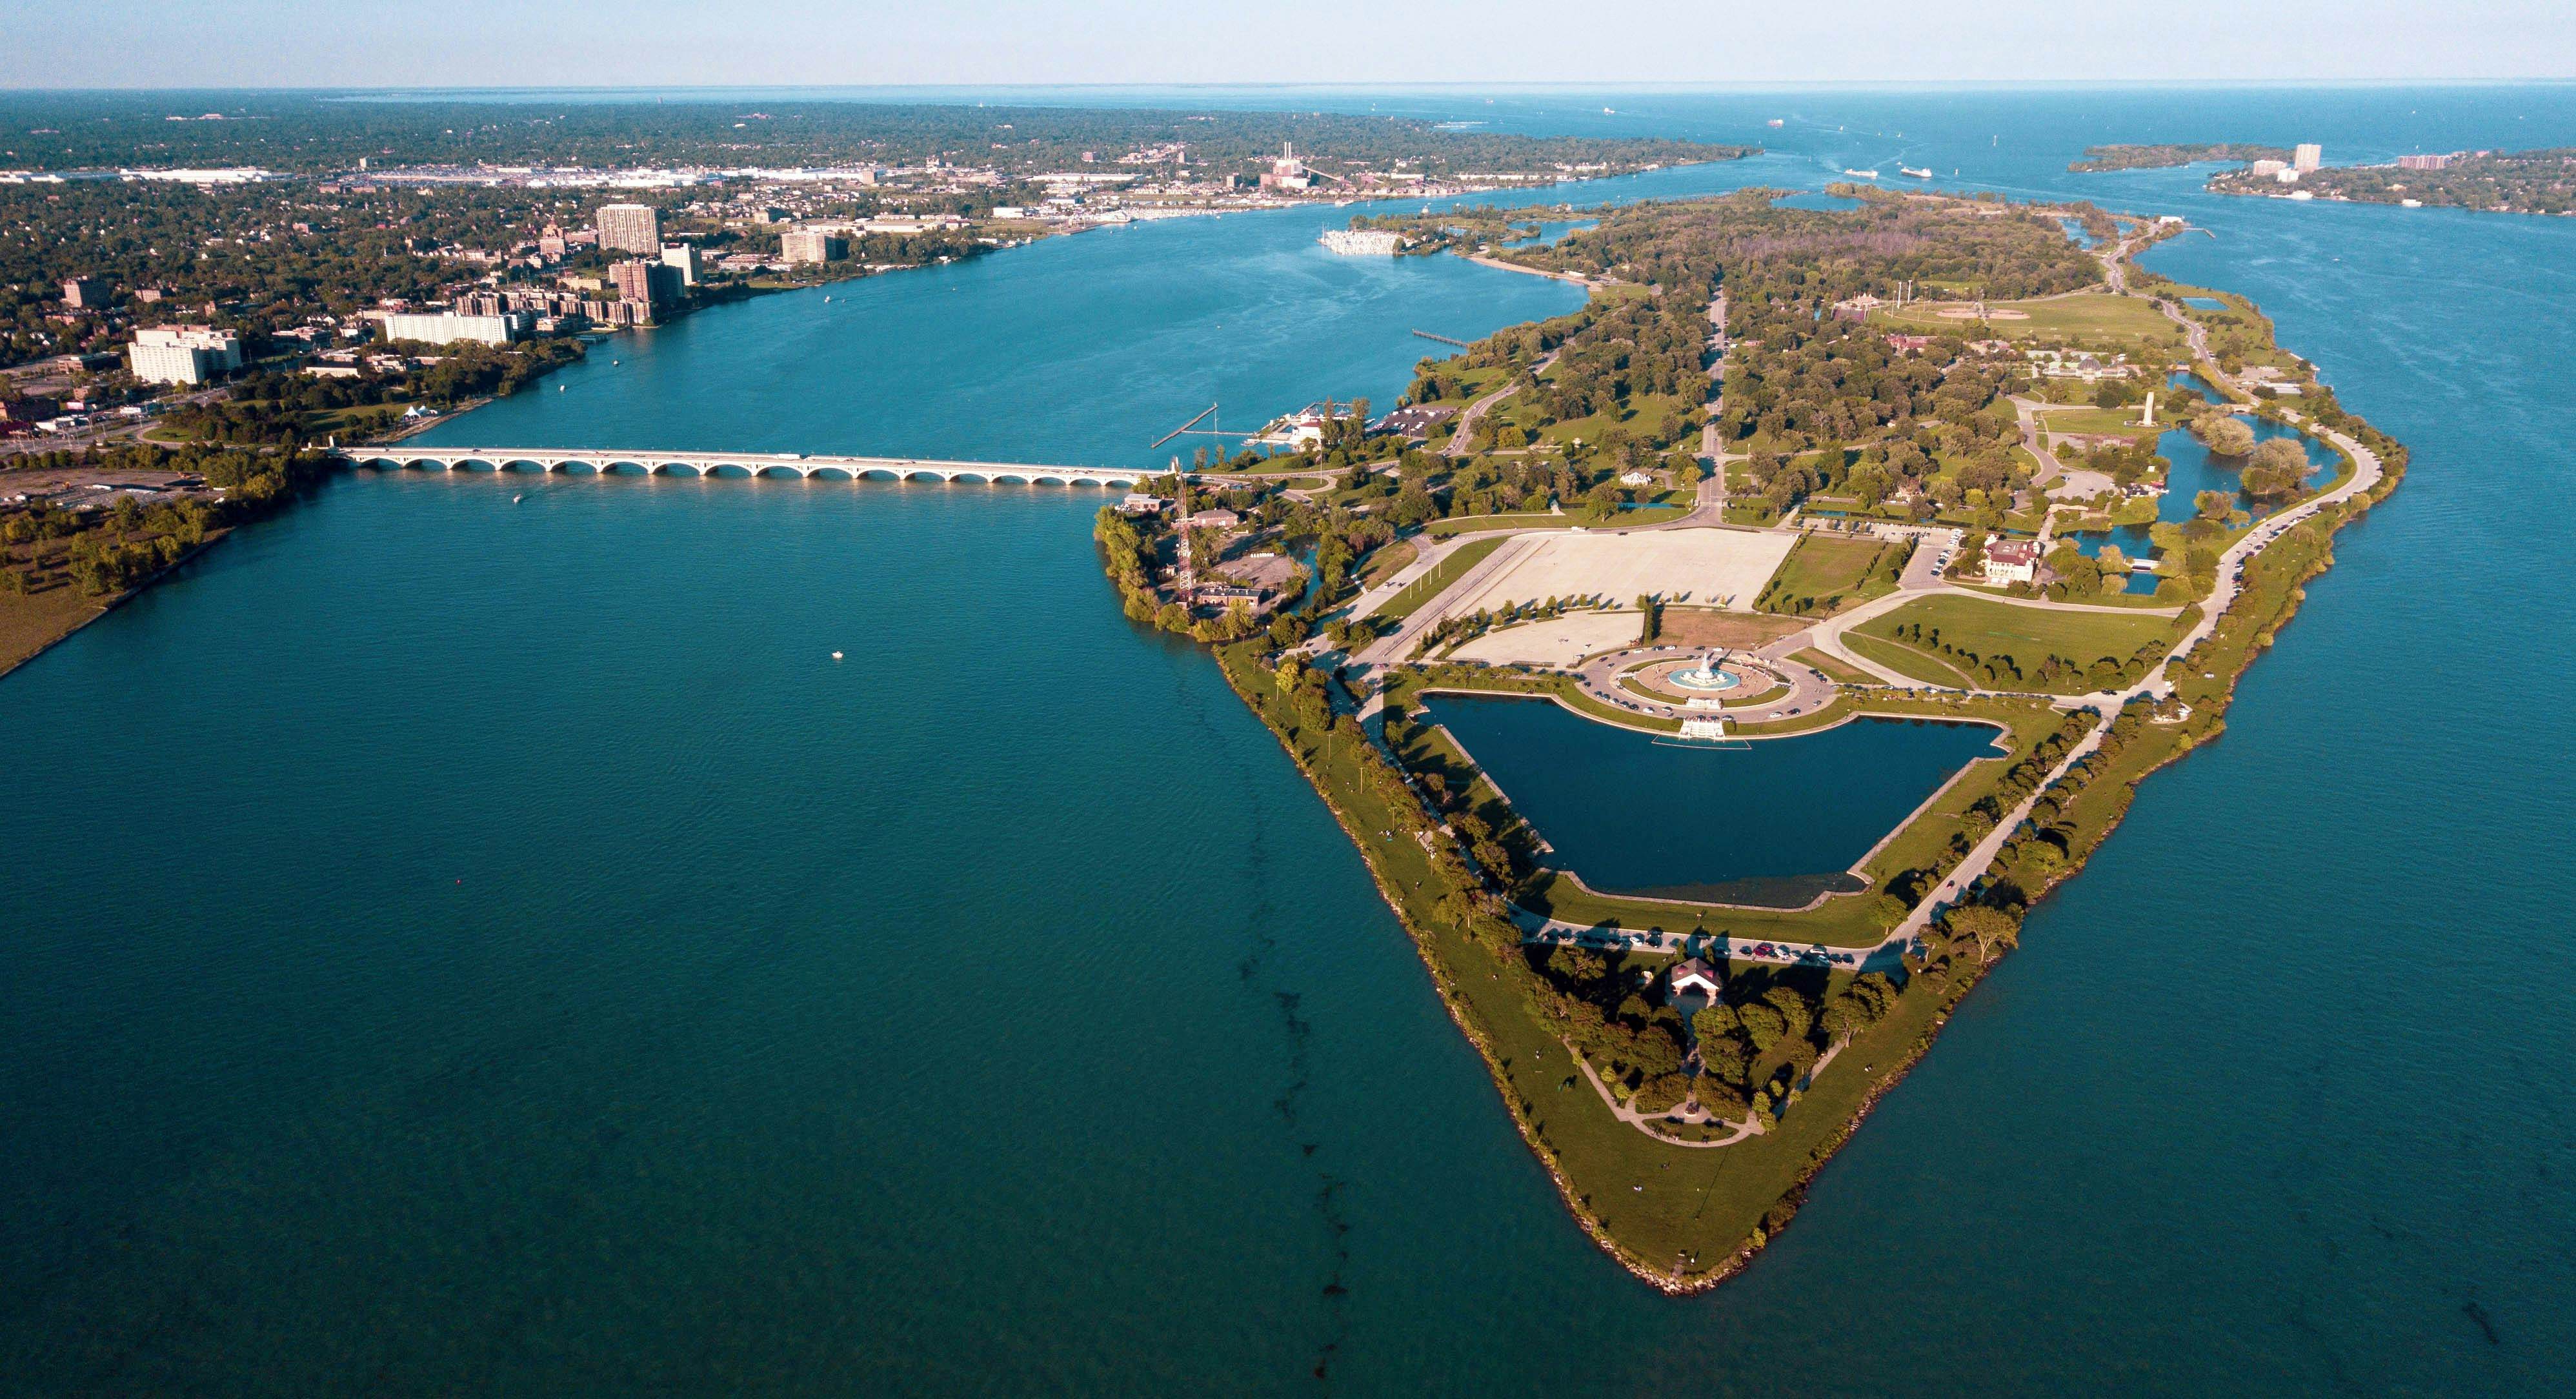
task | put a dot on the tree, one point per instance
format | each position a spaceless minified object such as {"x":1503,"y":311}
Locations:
{"x":1992,"y":929}
{"x":1763,"y":1024}
{"x":2224,"y":433}
{"x":2278,"y":467}
{"x":1654,"y":623}
{"x":1797,"y":1013}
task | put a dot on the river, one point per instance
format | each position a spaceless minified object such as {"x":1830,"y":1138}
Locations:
{"x":465,"y":946}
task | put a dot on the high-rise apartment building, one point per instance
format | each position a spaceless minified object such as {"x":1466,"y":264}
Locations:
{"x":2308,"y":157}
{"x":183,"y":354}
{"x":812,"y":245}
{"x":630,"y":228}
{"x":649,"y":282}
{"x":682,"y":258}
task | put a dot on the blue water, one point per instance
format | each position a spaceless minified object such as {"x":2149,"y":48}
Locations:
{"x":1073,"y":350}
{"x":997,"y":1012}
{"x":1629,"y":813}
{"x":2195,"y":468}
{"x":2205,"y":303}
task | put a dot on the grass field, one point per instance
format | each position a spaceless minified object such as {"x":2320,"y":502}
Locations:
{"x":1385,"y":563}
{"x":2127,"y":323}
{"x":2096,"y":421}
{"x":1430,"y":585}
{"x":1572,"y":519}
{"x":1834,"y":669}
{"x":1824,"y":574}
{"x":1907,"y":660}
{"x":2027,"y":635}
{"x":30,"y":622}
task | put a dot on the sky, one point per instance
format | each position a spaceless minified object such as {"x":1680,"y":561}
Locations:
{"x":567,"y":43}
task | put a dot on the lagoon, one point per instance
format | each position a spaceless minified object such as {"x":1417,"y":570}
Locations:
{"x":1771,"y":822}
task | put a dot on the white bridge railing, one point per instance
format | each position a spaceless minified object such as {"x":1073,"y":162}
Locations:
{"x":604,"y":460}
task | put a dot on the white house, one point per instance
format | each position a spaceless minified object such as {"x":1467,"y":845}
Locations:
{"x":1693,"y":977}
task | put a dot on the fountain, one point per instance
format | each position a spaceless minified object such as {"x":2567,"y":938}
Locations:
{"x":1709,"y":679}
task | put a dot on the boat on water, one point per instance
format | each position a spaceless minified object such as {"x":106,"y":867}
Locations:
{"x":1775,"y":121}
{"x":1862,"y":174}
{"x":517,"y":498}
{"x":1910,"y":170}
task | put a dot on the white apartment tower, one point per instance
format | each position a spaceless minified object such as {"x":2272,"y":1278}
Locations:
{"x":631,"y":228}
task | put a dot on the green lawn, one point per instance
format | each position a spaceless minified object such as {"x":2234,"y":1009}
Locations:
{"x":2107,"y":422}
{"x":1430,"y":585}
{"x":2027,"y":636}
{"x":2099,"y":321}
{"x":1824,"y":573}
{"x":1571,"y":519}
{"x":1834,"y":669}
{"x":1385,"y":563}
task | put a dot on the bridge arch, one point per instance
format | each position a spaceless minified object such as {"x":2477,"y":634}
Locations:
{"x":831,"y":473}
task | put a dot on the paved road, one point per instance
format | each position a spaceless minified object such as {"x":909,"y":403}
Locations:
{"x":1460,"y":443}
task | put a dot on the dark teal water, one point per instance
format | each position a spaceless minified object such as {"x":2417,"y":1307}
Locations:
{"x":1634,"y":814}
{"x":996,"y":1012}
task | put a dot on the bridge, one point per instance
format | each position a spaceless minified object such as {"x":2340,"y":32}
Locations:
{"x":604,"y":461}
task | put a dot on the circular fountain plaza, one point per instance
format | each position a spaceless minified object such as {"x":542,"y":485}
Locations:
{"x":1711,"y":679}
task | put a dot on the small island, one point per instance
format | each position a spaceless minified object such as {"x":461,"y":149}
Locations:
{"x":1714,"y":676}
{"x":2163,"y":157}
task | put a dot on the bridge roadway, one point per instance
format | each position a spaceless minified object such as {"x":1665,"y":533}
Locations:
{"x":604,"y":460}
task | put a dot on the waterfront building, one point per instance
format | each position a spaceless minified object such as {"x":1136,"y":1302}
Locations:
{"x":2267,"y":167}
{"x":87,"y":293}
{"x":2308,"y":156}
{"x":183,"y":354}
{"x":1415,"y":421}
{"x":652,"y":283}
{"x":2012,"y":561}
{"x":449,"y":328}
{"x":812,"y":245}
{"x":630,"y":228}
{"x":683,"y":258}
{"x":1287,"y":172}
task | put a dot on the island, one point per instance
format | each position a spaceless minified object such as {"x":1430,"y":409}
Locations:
{"x":2497,"y":182}
{"x":2161,"y":157}
{"x":1713,"y":677}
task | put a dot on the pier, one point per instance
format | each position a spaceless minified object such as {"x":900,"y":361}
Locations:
{"x":604,"y":461}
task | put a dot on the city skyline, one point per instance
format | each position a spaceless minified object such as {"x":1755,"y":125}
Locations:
{"x":480,"y":43}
